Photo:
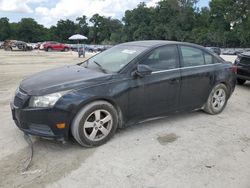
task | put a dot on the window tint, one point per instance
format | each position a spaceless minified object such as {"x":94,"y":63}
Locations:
{"x":209,"y":59}
{"x":162,"y":58}
{"x":192,"y":56}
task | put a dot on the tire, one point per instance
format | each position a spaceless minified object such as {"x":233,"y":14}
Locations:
{"x":49,"y":49}
{"x":89,"y":130}
{"x":240,"y":81}
{"x":217,"y":100}
{"x":66,"y":49}
{"x":8,"y":49}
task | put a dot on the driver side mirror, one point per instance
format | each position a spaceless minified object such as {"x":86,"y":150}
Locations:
{"x":142,"y":70}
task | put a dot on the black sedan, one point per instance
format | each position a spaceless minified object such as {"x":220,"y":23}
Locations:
{"x":242,"y":66}
{"x":123,"y":85}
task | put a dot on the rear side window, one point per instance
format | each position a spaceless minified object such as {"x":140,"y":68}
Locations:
{"x":192,"y":56}
{"x":162,"y":58}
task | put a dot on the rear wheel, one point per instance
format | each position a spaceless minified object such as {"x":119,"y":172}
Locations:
{"x":240,"y":81}
{"x":66,"y":49}
{"x":95,"y":124}
{"x":217,"y":100}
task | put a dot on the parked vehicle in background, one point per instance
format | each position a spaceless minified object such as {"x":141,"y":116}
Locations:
{"x":90,"y":49}
{"x":97,"y":48}
{"x":242,"y":65}
{"x":229,"y":52}
{"x":100,"y":49}
{"x":75,"y":47}
{"x":1,"y":44}
{"x":215,"y":50}
{"x":239,"y":51}
{"x":126,"y":84}
{"x":37,"y":45}
{"x":54,"y":46}
{"x":16,"y":45}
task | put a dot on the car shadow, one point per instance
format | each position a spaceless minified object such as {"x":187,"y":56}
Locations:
{"x":244,"y":86}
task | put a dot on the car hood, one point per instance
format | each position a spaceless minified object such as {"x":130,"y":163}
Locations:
{"x":61,"y":79}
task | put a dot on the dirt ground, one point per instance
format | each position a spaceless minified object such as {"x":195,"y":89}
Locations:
{"x":186,"y":150}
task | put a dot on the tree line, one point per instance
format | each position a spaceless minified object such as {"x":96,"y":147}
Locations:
{"x":225,"y":23}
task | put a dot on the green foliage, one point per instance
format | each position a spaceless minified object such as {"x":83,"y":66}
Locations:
{"x":64,"y":29}
{"x":5,"y":31}
{"x":224,"y":23}
{"x":29,"y":30}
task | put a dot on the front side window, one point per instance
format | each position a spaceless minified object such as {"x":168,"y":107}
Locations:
{"x":192,"y":56}
{"x":162,"y":58}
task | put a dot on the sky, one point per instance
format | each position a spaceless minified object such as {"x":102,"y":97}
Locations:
{"x":48,"y":12}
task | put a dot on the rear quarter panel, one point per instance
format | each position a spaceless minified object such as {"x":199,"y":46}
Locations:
{"x":224,"y":74}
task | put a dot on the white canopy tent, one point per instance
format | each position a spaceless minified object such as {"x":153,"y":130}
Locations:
{"x":77,"y":37}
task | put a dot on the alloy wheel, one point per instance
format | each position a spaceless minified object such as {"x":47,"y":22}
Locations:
{"x":218,"y":99}
{"x":98,"y":125}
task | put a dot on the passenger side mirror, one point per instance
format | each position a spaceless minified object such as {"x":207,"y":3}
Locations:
{"x":142,"y":70}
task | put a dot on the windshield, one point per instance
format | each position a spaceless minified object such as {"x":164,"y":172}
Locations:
{"x":114,"y":59}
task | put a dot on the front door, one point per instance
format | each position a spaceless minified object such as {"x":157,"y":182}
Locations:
{"x":158,"y":93}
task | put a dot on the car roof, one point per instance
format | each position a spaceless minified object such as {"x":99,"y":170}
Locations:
{"x":154,"y":43}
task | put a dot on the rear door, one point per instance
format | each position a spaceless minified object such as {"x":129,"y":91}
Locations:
{"x":158,"y":93}
{"x":197,"y":77}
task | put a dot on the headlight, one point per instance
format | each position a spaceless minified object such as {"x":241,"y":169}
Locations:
{"x":46,"y":100}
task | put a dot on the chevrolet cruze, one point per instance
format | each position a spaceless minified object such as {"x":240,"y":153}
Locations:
{"x":124,"y":85}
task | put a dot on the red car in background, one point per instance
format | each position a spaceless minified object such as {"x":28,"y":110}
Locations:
{"x":52,"y":45}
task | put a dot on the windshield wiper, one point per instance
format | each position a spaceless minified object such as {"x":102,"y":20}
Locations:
{"x":102,"y":69}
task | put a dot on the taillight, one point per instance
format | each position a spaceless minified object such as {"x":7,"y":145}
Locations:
{"x":234,"y":68}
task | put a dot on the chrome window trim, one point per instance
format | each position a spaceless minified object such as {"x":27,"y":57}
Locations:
{"x":183,"y":68}
{"x":155,"y":72}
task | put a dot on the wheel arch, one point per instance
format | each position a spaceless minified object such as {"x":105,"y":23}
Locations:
{"x":94,"y":99}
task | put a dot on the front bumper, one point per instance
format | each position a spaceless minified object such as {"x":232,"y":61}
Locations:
{"x":41,"y":122}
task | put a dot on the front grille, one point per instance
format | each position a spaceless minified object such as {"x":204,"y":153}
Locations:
{"x":21,"y":98}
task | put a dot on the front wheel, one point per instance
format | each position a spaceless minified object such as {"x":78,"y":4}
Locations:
{"x":217,"y":100}
{"x":95,"y":124}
